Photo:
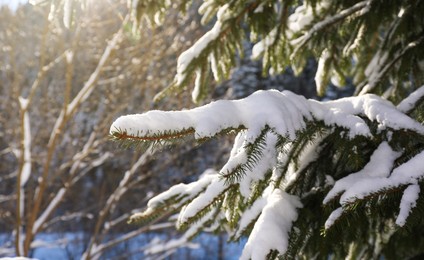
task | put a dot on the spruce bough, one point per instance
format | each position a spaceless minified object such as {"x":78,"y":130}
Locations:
{"x":305,"y":178}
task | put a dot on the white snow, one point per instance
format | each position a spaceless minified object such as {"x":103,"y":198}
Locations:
{"x":380,"y":165}
{"x":185,"y":192}
{"x":407,"y":173}
{"x":284,"y":112}
{"x":26,"y":170}
{"x":197,"y":85}
{"x":374,"y":108}
{"x":185,"y":59}
{"x":251,"y":214}
{"x":69,"y":56}
{"x":169,"y":245}
{"x":214,"y":66}
{"x":302,"y":17}
{"x":308,"y":155}
{"x":408,"y":103}
{"x":408,"y":202}
{"x":214,"y":189}
{"x":265,"y":43}
{"x":322,"y":70}
{"x":333,"y":217}
{"x":271,"y":230}
{"x":182,"y":190}
{"x":260,"y":8}
{"x":184,"y":240}
{"x":266,"y":163}
{"x":376,"y":177}
{"x":35,"y":2}
{"x":318,"y":26}
{"x":254,"y":112}
{"x":376,"y":62}
{"x":374,"y":70}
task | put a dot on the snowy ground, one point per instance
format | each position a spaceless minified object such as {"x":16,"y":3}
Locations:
{"x":208,"y":247}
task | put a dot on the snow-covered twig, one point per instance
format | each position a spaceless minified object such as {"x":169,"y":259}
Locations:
{"x":301,"y":41}
{"x":376,"y":76}
{"x":410,"y":103}
{"x":23,"y":173}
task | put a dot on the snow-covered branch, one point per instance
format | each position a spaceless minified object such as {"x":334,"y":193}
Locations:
{"x":285,"y":113}
{"x":280,"y":140}
{"x":301,"y":41}
{"x":24,"y":172}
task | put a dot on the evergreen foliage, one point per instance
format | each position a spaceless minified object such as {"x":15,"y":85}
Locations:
{"x":305,"y":179}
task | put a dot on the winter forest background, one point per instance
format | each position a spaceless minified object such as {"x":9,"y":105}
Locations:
{"x":301,"y":172}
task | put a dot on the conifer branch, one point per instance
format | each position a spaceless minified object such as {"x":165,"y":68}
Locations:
{"x":120,"y":135}
{"x":301,"y":41}
{"x":371,"y":83}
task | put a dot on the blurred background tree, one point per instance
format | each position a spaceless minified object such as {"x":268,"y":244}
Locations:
{"x":67,"y":69}
{"x":62,"y":82}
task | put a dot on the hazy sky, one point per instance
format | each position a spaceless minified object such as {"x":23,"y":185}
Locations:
{"x":12,"y":3}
